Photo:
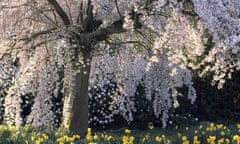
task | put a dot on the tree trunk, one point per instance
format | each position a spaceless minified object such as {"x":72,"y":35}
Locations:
{"x":75,"y":110}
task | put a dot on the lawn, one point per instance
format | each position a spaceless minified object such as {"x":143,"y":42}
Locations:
{"x":204,"y":133}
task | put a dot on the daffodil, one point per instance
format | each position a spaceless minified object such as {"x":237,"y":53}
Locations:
{"x":176,"y":127}
{"x":211,"y":139}
{"x":186,"y":142}
{"x":220,"y":141}
{"x":60,"y":141}
{"x":238,"y":126}
{"x":125,"y":138}
{"x":158,"y":139}
{"x":212,"y":124}
{"x":219,"y":126}
{"x":109,"y":138}
{"x":76,"y":137}
{"x":88,"y":137}
{"x":163,"y":136}
{"x":144,"y":139}
{"x":45,"y":136}
{"x":195,"y":138}
{"x":222,"y":133}
{"x":131,"y":140}
{"x":236,"y":138}
{"x":151,"y":127}
{"x":227,"y":141}
{"x":39,"y":141}
{"x":128,"y":140}
{"x":95,"y":137}
{"x":127,"y":131}
{"x":184,"y":138}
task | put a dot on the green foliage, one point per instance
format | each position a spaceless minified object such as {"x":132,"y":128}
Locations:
{"x":204,"y":132}
{"x":30,"y":135}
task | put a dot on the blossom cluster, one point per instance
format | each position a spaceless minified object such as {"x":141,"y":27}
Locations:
{"x":222,"y":20}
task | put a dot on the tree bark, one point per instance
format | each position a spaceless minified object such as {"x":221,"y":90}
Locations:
{"x":75,"y":110}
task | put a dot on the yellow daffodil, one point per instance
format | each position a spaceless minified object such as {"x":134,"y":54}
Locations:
{"x":39,"y":141}
{"x":236,"y":138}
{"x":125,"y":138}
{"x":109,"y":138}
{"x":176,"y":127}
{"x":238,"y":126}
{"x":151,"y":127}
{"x":186,"y":142}
{"x":196,"y":142}
{"x":144,"y":139}
{"x":127,"y":131}
{"x":158,"y":139}
{"x":88,"y":137}
{"x":212,"y":124}
{"x":195,"y":138}
{"x":184,"y":138}
{"x":227,"y":141}
{"x":76,"y":137}
{"x":221,"y":141}
{"x":60,"y":141}
{"x":70,"y":139}
{"x":211,"y":139}
{"x":89,"y":130}
{"x":222,"y":133}
{"x":163,"y":136}
{"x":219,"y":126}
{"x":131,"y":139}
{"x":45,"y":136}
{"x":95,"y":137}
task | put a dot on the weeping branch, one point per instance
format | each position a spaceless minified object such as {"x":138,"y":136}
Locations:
{"x":28,"y":39}
{"x":60,"y":12}
{"x":116,"y":3}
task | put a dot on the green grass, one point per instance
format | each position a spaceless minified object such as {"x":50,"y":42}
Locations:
{"x":203,"y":133}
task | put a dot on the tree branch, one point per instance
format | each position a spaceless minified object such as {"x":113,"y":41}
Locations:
{"x":114,"y":28}
{"x":116,"y":3}
{"x":60,"y":12}
{"x":28,"y":39}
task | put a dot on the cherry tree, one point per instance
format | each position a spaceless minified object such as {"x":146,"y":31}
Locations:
{"x":37,"y":27}
{"x":62,"y":48}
